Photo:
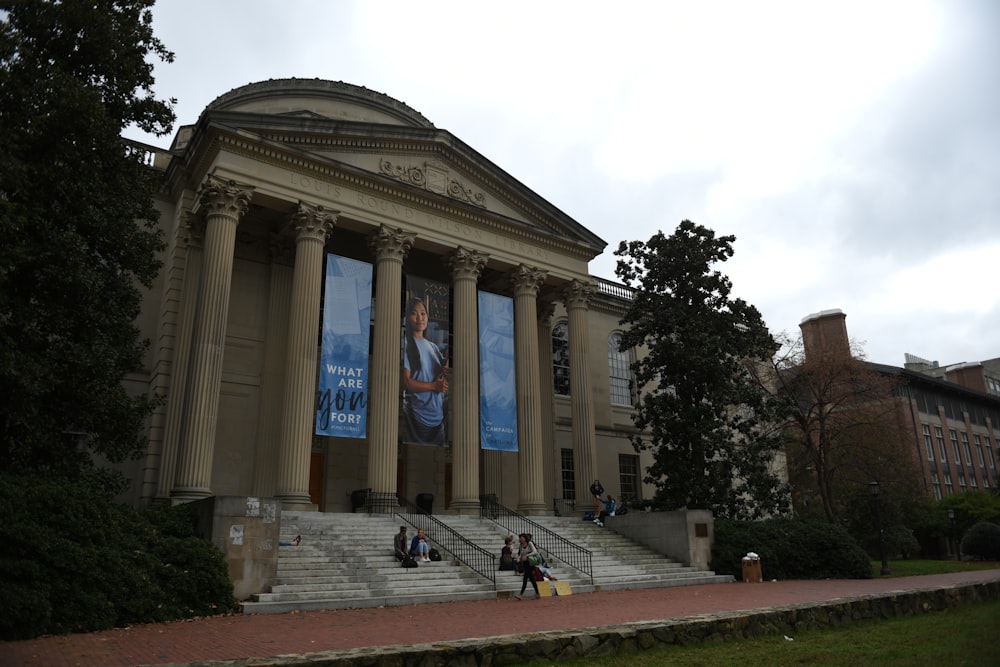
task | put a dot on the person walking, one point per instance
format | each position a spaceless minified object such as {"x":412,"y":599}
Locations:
{"x":528,"y":556}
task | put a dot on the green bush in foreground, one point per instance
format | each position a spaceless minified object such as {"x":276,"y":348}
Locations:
{"x":789,"y":549}
{"x":982,"y":541}
{"x":71,"y":560}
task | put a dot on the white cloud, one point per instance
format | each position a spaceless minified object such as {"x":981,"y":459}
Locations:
{"x":852,"y":147}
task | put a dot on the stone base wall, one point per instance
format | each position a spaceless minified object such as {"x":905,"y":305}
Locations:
{"x":684,"y":535}
{"x":610,"y":641}
{"x":245,"y":529}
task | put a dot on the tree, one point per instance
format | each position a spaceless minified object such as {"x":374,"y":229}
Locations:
{"x":78,"y":227}
{"x":844,"y":430}
{"x":706,"y":415}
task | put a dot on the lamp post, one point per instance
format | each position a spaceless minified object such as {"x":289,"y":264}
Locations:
{"x":951,"y":522}
{"x":875,"y":492}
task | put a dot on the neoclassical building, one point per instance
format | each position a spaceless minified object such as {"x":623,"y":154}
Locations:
{"x":312,"y":226}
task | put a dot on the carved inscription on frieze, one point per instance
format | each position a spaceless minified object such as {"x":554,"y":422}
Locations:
{"x":315,"y":185}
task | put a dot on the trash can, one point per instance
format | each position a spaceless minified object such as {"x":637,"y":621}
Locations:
{"x":425,"y":501}
{"x":751,"y":569}
{"x":358,"y":499}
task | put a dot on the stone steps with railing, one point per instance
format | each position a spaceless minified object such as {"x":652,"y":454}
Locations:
{"x":346,"y":561}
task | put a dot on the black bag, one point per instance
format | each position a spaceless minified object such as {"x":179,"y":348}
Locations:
{"x":409,"y":561}
{"x":434,"y":555}
{"x":506,"y":562}
{"x":588,"y":516}
{"x":621,"y":510}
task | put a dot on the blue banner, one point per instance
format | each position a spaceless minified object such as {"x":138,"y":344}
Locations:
{"x":426,"y":369}
{"x":497,"y":386}
{"x":343,"y":375}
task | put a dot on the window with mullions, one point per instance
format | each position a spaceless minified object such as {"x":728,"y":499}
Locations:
{"x":966,"y":448}
{"x":560,"y":358}
{"x":619,"y":371}
{"x":628,"y":477}
{"x":568,"y":476}
{"x":928,"y":443}
{"x":940,"y":440}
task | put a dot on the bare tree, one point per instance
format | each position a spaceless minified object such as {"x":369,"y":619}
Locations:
{"x":843,"y":426}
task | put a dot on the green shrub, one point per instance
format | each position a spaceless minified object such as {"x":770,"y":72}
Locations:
{"x":900,"y":541}
{"x":789,"y":549}
{"x":982,"y":541}
{"x":77,"y":562}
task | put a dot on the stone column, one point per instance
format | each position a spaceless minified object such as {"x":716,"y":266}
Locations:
{"x":551,"y":457}
{"x":463,"y":390}
{"x":194,"y":235}
{"x":279,"y":304}
{"x":390,"y":247}
{"x":312,"y":225}
{"x":224,"y":203}
{"x":577,"y":297}
{"x":526,"y":281}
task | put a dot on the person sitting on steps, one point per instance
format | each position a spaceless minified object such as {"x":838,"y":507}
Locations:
{"x":419,"y":548}
{"x":400,"y":545}
{"x":609,"y":510}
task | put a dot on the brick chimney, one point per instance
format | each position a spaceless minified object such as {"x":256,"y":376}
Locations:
{"x":824,"y":334}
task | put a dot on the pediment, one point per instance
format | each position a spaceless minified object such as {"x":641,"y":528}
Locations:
{"x":425,"y":159}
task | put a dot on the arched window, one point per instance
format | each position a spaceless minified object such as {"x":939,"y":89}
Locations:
{"x":619,"y":371}
{"x":560,"y":358}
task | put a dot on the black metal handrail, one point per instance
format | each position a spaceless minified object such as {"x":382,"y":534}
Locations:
{"x":448,"y":540}
{"x":552,"y":545}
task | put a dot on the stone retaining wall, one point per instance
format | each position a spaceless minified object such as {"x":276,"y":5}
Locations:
{"x":612,"y":640}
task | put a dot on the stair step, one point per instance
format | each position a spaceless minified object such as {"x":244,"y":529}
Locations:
{"x":344,"y":561}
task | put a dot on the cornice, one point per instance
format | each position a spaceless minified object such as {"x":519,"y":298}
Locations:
{"x":282,"y":156}
{"x":321,"y":88}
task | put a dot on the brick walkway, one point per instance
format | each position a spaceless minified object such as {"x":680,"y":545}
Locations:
{"x":262,"y":636}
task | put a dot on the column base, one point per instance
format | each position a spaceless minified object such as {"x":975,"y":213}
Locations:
{"x":296,"y":501}
{"x":381,"y":502}
{"x":534,"y":509}
{"x":465,"y":506}
{"x":186,"y":494}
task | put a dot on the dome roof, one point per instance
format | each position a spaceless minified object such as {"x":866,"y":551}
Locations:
{"x":318,"y":97}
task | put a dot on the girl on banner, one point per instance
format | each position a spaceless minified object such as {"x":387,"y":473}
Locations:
{"x":425,"y":380}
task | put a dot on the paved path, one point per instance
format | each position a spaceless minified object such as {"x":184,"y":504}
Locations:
{"x":261,"y":636}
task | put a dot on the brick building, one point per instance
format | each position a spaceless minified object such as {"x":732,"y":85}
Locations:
{"x":953,"y":413}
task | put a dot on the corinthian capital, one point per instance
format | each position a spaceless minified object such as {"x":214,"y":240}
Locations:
{"x":577,"y":294}
{"x":527,"y":279}
{"x":389,"y":243}
{"x":313,"y":222}
{"x":225,"y":197}
{"x":465,"y":263}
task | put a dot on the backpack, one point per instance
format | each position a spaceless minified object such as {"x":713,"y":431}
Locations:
{"x":434,"y":555}
{"x":409,"y":561}
{"x":506,"y":562}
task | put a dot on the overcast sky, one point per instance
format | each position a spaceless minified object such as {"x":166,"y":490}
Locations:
{"x":853,"y":148}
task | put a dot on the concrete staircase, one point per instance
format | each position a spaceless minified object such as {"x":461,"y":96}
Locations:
{"x":346,"y":561}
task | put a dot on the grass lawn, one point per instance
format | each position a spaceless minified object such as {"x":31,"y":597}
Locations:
{"x":958,"y":637}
